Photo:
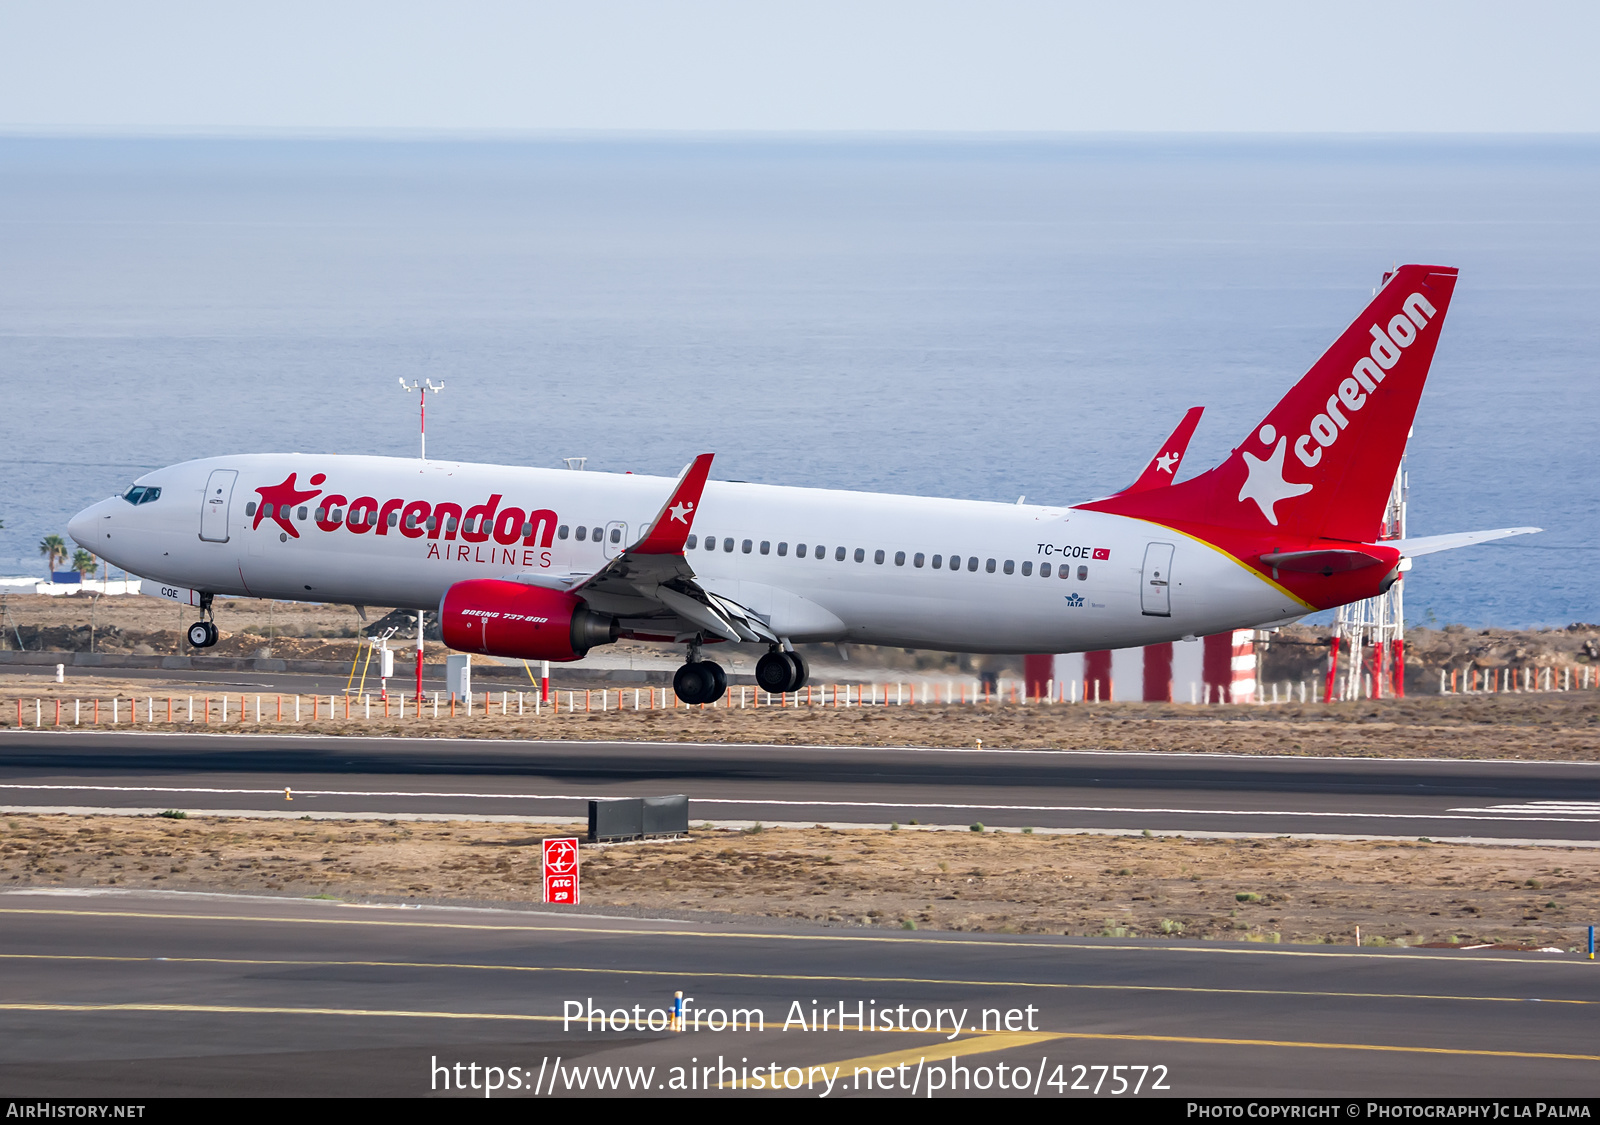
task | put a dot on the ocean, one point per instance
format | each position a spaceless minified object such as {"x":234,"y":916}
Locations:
{"x":971,"y":317}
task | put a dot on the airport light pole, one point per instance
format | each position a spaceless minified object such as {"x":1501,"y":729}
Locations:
{"x":422,"y":388}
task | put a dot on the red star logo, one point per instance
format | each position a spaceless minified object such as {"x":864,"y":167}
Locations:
{"x":282,"y":496}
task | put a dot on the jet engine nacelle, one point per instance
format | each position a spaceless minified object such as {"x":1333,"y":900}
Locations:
{"x":499,"y":618}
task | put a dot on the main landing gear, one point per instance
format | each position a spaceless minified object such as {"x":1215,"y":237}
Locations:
{"x":704,"y":681}
{"x":203,"y":633}
{"x":780,"y":671}
{"x":699,"y":681}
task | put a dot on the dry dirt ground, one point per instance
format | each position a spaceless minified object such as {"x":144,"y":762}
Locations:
{"x":1558,"y":726}
{"x":1259,"y":890}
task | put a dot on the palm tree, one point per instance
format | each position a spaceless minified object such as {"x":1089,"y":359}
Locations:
{"x":85,"y":563}
{"x":53,"y":547}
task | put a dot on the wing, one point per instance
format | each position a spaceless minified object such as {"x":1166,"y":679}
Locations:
{"x":651,"y":588}
{"x":1163,"y":467}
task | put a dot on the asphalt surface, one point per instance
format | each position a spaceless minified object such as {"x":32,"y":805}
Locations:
{"x":134,"y":994}
{"x":1068,"y":790}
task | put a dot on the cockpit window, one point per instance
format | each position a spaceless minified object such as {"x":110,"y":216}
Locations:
{"x":142,"y":494}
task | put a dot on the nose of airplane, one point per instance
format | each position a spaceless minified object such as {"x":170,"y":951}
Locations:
{"x":81,"y":526}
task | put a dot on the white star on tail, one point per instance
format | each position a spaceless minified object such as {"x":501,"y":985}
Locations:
{"x":681,"y":510}
{"x":1265,"y":484}
{"x":1166,"y":461}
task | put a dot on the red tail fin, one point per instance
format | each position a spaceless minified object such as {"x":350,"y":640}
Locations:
{"x":1321,"y":464}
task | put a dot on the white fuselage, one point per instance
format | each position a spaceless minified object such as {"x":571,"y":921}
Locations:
{"x":876,"y":594}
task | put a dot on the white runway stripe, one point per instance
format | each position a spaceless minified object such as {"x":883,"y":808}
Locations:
{"x":1569,"y":808}
{"x":1453,"y":814}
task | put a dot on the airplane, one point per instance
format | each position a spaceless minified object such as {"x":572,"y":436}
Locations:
{"x":549,"y":564}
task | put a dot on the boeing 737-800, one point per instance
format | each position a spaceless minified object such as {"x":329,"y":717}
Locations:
{"x":546,"y":564}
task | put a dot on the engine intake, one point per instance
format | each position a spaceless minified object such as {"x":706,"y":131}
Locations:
{"x":499,"y":618}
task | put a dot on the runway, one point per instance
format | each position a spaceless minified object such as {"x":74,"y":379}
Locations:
{"x":132,"y":994}
{"x":1061,"y":790}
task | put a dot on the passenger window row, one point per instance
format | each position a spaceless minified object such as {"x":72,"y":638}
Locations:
{"x":583,"y":534}
{"x":369,"y":516}
{"x":711,"y":543}
{"x":918,"y":560}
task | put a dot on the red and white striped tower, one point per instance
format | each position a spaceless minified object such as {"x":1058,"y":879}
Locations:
{"x":1217,"y":669}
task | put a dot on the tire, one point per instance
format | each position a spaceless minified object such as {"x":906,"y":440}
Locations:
{"x":212,"y":633}
{"x":200,"y":635}
{"x":801,"y":672}
{"x":775,"y":672}
{"x":719,"y":680}
{"x":692,"y":684}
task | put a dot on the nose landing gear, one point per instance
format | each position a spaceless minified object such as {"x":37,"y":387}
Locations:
{"x":203,"y":633}
{"x":699,"y":681}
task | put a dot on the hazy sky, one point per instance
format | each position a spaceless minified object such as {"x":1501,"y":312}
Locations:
{"x":1398,"y":65}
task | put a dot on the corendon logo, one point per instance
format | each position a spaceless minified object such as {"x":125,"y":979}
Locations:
{"x":278,"y":500}
{"x":414,"y":519}
{"x":1264,"y":482}
{"x":1365,"y":376}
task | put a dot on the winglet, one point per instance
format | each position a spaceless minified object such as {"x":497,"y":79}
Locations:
{"x":1163,"y":467}
{"x":676,"y":518}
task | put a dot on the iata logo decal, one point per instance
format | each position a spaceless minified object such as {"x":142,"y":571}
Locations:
{"x":1075,"y":600}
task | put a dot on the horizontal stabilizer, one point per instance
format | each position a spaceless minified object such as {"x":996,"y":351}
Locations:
{"x":1430,"y":544}
{"x":1325,"y":562}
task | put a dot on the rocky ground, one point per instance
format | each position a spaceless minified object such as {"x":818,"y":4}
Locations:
{"x":1184,"y":889}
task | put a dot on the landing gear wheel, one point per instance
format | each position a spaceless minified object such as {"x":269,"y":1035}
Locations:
{"x":202,"y":634}
{"x":801,"y":672}
{"x":693,"y":683}
{"x":702,"y":681}
{"x":775,"y":673}
{"x":719,"y":680}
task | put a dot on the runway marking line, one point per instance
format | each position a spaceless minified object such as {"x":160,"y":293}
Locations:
{"x":885,"y":939}
{"x":978,"y":1046}
{"x":937,"y":1052}
{"x":981,"y":1043}
{"x":589,"y":745}
{"x":808,"y":978}
{"x":1452,"y":814}
{"x":265,"y":1010}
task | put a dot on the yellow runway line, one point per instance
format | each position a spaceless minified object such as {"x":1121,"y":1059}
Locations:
{"x":1405,"y":1050}
{"x":996,"y":1041}
{"x":264,"y":1010}
{"x":936,"y":1052}
{"x":800,"y":978}
{"x":985,"y":1044}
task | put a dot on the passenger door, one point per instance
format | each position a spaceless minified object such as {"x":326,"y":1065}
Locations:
{"x":214,"y":506}
{"x":1155,"y":589}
